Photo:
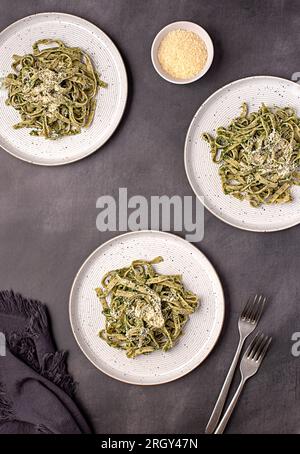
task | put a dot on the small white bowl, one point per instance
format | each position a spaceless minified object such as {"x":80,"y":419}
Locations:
{"x":189,"y":26}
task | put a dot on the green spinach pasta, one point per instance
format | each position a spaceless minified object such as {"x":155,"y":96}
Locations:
{"x":259,"y":155}
{"x":144,"y":310}
{"x":54,"y":89}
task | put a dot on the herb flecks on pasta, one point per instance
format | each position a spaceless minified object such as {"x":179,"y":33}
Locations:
{"x":144,"y":310}
{"x":54,"y":89}
{"x":259,"y":155}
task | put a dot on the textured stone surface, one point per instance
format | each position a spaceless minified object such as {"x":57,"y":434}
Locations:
{"x":48,"y":215}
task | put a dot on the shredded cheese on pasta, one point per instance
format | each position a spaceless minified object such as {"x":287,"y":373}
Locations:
{"x":259,"y":155}
{"x":144,"y":310}
{"x":54,"y":89}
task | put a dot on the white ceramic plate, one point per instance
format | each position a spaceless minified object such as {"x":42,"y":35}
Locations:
{"x":74,"y":31}
{"x":219,"y":109}
{"x":200,"y":333}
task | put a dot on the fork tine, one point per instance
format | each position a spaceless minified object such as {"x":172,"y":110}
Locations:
{"x":247,"y":309}
{"x":256,"y":345}
{"x":251,"y":345}
{"x":260,"y":347}
{"x":254,"y":309}
{"x":256,"y":314}
{"x":264,"y":349}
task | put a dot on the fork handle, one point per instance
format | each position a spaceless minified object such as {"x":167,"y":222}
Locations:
{"x":217,"y":411}
{"x":221,"y":427}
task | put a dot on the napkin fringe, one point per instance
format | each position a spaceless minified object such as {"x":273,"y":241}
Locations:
{"x":55,"y":369}
{"x":15,"y":304}
{"x":6,"y":410}
{"x":52,"y":366}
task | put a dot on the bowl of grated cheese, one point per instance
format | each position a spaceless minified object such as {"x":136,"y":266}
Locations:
{"x":182,"y":52}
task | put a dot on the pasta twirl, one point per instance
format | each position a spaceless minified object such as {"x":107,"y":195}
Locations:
{"x":144,"y":310}
{"x":259,"y":155}
{"x":54,"y":89}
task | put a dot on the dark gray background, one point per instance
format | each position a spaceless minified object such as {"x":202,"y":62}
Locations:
{"x":48,"y":215}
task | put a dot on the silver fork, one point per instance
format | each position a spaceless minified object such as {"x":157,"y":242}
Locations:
{"x":250,"y":364}
{"x":247,"y":323}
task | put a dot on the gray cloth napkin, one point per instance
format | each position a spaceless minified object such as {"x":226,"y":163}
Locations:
{"x":36,"y":390}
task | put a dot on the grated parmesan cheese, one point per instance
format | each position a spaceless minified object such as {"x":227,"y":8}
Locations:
{"x":182,"y":54}
{"x":272,"y":156}
{"x":48,"y":92}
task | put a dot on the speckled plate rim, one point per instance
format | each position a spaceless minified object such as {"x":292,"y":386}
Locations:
{"x":123,"y":77}
{"x":201,"y":197}
{"x":212,"y":272}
